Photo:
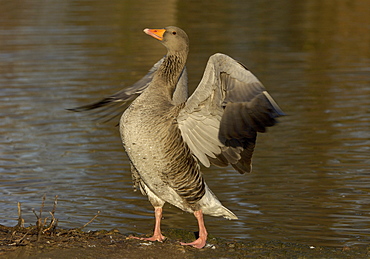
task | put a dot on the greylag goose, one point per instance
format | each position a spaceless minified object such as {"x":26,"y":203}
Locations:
{"x":166,"y":134}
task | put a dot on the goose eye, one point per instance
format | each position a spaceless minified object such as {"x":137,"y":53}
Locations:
{"x":174,"y":33}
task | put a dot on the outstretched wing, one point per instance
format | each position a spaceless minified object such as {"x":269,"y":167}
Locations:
{"x":114,"y":105}
{"x":221,"y":118}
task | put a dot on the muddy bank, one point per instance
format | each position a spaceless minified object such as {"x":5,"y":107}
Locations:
{"x":46,"y":240}
{"x":21,"y":242}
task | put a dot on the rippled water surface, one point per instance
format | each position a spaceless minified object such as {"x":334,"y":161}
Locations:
{"x":311,"y":178}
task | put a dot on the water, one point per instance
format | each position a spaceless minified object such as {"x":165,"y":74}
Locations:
{"x":311,"y":172}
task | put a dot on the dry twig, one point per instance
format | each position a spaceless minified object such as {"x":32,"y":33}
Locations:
{"x":19,"y":241}
{"x":90,"y":221}
{"x":20,"y":219}
{"x":53,"y":221}
{"x":39,"y":224}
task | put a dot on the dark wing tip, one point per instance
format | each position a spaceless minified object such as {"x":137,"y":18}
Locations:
{"x":92,"y":106}
{"x":275,"y":107}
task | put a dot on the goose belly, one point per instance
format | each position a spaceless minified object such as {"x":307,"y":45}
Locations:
{"x":144,"y":136}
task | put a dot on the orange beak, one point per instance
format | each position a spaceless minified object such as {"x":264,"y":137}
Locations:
{"x":155,"y":33}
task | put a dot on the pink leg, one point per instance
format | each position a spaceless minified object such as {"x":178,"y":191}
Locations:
{"x":157,"y":236}
{"x":201,"y":241}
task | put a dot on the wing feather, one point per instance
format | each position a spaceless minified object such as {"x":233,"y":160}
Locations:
{"x":220,"y":120}
{"x":116,"y":103}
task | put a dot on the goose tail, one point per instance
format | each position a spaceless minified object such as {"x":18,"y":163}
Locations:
{"x":210,"y":205}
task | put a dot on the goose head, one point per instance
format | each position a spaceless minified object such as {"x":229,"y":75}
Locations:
{"x":173,"y":38}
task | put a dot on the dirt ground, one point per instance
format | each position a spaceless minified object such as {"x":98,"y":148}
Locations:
{"x":46,"y":240}
{"x":51,"y":242}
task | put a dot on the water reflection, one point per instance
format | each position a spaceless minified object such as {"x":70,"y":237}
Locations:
{"x":310,"y":182}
